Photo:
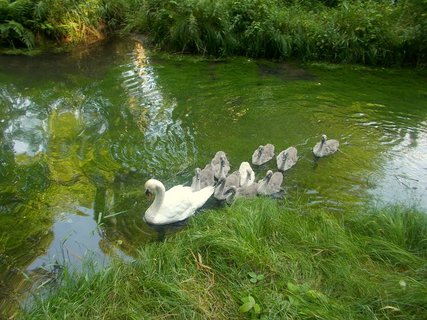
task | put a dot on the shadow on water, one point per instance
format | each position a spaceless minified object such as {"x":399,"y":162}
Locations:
{"x":284,"y":71}
{"x":80,"y":133}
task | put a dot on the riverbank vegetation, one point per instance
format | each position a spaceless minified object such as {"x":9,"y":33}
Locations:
{"x":345,"y":31}
{"x":260,"y":259}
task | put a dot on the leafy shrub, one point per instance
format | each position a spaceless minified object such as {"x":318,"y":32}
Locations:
{"x":343,"y":31}
{"x":25,"y":23}
{"x":14,"y":23}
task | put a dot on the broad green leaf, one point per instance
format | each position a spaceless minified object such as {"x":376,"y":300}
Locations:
{"x":245,"y":307}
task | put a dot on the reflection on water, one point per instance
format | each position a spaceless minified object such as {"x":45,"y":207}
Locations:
{"x":26,"y":133}
{"x":404,"y":176}
{"x":167,"y":146}
{"x":80,"y":134}
{"x":98,"y":139}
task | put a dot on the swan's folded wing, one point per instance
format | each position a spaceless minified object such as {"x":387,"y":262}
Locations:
{"x":177,"y":204}
{"x":181,"y":202}
{"x":199,"y":198}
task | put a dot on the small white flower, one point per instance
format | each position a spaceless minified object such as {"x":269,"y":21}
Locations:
{"x":402,"y":284}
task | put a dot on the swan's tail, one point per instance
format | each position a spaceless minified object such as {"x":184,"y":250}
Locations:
{"x":201,"y":196}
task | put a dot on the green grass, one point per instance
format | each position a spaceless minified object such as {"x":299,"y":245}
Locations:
{"x":312,"y":265}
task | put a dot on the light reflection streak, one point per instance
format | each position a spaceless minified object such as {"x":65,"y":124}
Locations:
{"x":168,"y":148}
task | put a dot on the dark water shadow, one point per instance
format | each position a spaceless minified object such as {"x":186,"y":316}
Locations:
{"x":283,"y":71}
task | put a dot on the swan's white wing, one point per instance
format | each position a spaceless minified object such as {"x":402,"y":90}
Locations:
{"x":199,"y":198}
{"x":176,"y":204}
{"x":181,"y":202}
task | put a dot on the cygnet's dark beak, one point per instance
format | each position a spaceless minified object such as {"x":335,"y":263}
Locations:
{"x":148,"y":194}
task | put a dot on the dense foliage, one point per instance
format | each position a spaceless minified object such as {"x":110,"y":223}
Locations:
{"x":381,"y":32}
{"x":260,"y":260}
{"x":29,"y":23}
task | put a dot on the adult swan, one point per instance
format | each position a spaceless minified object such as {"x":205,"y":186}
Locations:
{"x":176,"y":204}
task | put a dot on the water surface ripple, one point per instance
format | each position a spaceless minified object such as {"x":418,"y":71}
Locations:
{"x":80,"y":133}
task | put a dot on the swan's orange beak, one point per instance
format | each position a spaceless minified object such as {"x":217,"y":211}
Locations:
{"x":148,"y":194}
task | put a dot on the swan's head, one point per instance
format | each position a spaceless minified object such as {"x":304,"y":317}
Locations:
{"x":324,"y":138}
{"x":150,"y":187}
{"x":284,"y":156}
{"x":244,"y":165}
{"x":230,"y":194}
{"x":268,"y":175}
{"x":221,"y":181}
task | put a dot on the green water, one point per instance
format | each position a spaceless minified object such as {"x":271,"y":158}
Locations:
{"x":81,"y":133}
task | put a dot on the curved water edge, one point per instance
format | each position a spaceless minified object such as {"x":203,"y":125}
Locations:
{"x":80,"y":134}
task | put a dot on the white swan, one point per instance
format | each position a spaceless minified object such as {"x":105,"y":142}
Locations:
{"x":247,"y":174}
{"x":325,"y":147}
{"x":287,"y":159}
{"x":263,"y":154}
{"x":176,"y":204}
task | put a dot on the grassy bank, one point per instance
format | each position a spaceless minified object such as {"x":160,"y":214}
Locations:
{"x":344,"y":31}
{"x":262,"y":259}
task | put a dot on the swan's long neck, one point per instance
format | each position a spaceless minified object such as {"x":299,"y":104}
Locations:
{"x":196,"y":181}
{"x":323,"y":141}
{"x":159,"y":194}
{"x":284,"y":158}
{"x":219,"y":190}
{"x":246,"y":179}
{"x":221,"y":169}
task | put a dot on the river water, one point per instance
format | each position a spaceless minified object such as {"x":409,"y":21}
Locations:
{"x":80,"y":133}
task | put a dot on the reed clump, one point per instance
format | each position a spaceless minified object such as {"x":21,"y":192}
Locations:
{"x":262,"y":259}
{"x":341,"y":31}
